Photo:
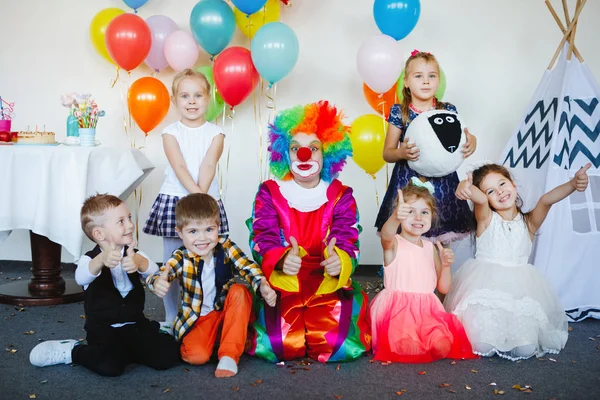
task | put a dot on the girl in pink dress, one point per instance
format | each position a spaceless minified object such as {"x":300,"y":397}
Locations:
{"x":409,"y":323}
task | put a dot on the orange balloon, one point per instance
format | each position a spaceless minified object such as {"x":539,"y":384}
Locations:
{"x":380,"y":103}
{"x":148,"y":101}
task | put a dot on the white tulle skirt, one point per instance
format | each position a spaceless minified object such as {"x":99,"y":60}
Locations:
{"x":507,"y":310}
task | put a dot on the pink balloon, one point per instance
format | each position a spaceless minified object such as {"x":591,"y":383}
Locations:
{"x":161,"y":27}
{"x":181,"y":50}
{"x":379,"y":62}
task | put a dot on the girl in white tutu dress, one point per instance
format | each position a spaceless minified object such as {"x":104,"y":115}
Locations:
{"x":506,"y":306}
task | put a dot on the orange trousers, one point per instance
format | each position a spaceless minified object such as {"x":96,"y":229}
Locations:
{"x":197,"y":345}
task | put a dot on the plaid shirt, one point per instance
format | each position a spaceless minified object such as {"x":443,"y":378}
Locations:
{"x":187,"y":267}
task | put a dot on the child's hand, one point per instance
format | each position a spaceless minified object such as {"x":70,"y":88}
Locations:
{"x":580,"y":180}
{"x":267,"y":293}
{"x":402,"y":209}
{"x":332,"y":263}
{"x":409,"y":151}
{"x":111,"y":256}
{"x":470,"y":145}
{"x":446,"y":255}
{"x":293,"y":262}
{"x":127,"y":262}
{"x":463,"y":191}
{"x":161,"y":284}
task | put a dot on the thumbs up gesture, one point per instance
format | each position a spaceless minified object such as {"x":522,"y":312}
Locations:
{"x":581,"y":178}
{"x":111,"y":255}
{"x":446,"y":255}
{"x":161,"y":284}
{"x":463,"y":191}
{"x":293,"y":262}
{"x":128,"y":262}
{"x":267,"y":293}
{"x":402,"y":209}
{"x":332,"y":263}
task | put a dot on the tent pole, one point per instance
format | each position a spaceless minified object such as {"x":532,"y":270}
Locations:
{"x":567,"y":33}
{"x":566,"y":11}
{"x":572,"y":39}
{"x":562,"y":29}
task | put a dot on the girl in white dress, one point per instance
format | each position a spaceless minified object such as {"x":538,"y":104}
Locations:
{"x":506,"y":306}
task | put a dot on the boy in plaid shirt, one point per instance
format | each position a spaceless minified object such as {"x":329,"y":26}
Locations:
{"x":211,"y":299}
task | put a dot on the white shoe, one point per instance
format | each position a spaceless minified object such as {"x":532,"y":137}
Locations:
{"x":166,"y":327}
{"x":52,"y":352}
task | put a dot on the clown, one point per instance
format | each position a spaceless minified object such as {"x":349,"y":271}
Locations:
{"x":304,"y":233}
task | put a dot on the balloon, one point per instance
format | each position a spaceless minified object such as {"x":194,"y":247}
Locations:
{"x":379,"y":62}
{"x":161,"y":27}
{"x":396,"y":18}
{"x":249,"y":6}
{"x":249,"y":25}
{"x":215,"y":107}
{"x":367,"y":137}
{"x":135,"y":4}
{"x":181,"y":51}
{"x":274,"y":51}
{"x":212,"y":23}
{"x":98,"y":30}
{"x":128,"y":40}
{"x":439,"y":93}
{"x":148,"y":101}
{"x":381,"y":103}
{"x":235,"y":75}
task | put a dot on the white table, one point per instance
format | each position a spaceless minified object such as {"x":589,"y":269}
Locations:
{"x":42,"y":189}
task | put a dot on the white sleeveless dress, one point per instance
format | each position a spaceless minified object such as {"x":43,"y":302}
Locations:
{"x":503,"y":302}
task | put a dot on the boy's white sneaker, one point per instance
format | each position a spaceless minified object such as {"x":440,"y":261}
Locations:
{"x":166,"y":327}
{"x":52,"y":352}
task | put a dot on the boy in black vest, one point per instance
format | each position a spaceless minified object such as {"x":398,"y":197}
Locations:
{"x":211,"y":300}
{"x":118,"y":333}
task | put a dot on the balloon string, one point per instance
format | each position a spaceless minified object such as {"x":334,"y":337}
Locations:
{"x":219,"y":167}
{"x":375,"y":185}
{"x":258,"y":123}
{"x":114,"y":82}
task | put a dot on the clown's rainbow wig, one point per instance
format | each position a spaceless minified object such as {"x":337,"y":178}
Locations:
{"x":319,"y":118}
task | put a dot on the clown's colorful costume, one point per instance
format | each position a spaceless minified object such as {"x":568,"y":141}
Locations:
{"x":318,"y":315}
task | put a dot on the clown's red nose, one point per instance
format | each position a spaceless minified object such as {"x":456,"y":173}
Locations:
{"x":304,"y":154}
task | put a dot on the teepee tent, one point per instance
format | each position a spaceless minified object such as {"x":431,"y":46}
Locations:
{"x":558,"y":135}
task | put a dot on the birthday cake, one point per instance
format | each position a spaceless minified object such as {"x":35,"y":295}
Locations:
{"x":28,"y":137}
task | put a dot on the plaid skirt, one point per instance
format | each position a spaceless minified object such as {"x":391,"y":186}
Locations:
{"x":161,"y":221}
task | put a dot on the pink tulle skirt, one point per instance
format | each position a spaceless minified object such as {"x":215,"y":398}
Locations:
{"x":415,"y":328}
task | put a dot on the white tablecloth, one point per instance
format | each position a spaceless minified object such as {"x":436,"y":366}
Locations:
{"x":42,"y":188}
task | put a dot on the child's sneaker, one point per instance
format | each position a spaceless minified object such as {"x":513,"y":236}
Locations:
{"x":52,"y":352}
{"x":166,"y":327}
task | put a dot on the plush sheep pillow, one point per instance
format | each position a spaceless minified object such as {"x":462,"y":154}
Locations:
{"x":439,"y":136}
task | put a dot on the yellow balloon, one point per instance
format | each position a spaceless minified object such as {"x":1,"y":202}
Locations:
{"x":98,"y":30}
{"x":249,"y":25}
{"x":368,"y":137}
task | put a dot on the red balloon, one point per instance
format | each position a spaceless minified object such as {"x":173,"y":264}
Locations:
{"x":128,"y":40}
{"x":235,"y":75}
{"x":148,"y":101}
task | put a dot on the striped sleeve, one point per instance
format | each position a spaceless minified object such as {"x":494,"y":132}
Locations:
{"x":247,"y":268}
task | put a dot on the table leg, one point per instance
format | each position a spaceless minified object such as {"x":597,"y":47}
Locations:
{"x":46,"y":287}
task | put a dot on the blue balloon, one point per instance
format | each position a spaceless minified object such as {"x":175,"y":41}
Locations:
{"x":212,"y":23}
{"x":396,"y":18}
{"x":274,"y":51}
{"x":135,"y":4}
{"x":249,"y":6}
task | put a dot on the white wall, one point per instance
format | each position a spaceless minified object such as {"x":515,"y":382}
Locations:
{"x":493,"y":54}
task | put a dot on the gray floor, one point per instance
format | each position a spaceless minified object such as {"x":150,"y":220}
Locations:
{"x":572,"y":374}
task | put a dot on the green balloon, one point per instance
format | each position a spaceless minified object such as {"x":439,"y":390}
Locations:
{"x":439,"y":93}
{"x":215,"y":107}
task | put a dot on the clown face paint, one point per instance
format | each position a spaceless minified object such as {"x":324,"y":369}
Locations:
{"x":306,"y":159}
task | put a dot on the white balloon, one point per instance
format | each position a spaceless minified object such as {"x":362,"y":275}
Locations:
{"x":379,"y":62}
{"x":181,"y":50}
